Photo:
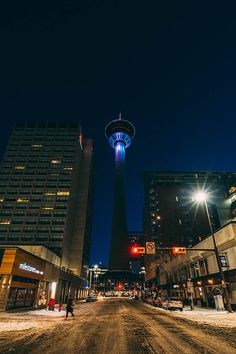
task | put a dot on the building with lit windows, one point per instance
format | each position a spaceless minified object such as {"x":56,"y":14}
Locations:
{"x":171,"y":217}
{"x":136,"y":238}
{"x":46,"y":192}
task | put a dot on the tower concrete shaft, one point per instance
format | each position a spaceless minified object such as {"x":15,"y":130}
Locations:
{"x":119,"y":134}
{"x":119,"y":251}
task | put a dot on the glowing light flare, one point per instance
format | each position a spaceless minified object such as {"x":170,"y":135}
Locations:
{"x":200,"y":197}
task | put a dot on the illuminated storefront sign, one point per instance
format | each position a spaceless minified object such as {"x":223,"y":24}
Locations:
{"x":29,"y":268}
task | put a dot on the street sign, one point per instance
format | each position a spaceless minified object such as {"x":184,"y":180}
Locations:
{"x":223,"y":261}
{"x":150,"y":248}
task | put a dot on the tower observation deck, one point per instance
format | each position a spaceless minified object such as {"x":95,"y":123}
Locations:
{"x":119,"y":133}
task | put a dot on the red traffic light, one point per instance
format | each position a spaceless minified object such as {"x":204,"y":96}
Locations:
{"x":137,"y":250}
{"x":179,"y":250}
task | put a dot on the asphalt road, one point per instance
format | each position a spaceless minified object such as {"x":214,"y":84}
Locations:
{"x":119,"y":326}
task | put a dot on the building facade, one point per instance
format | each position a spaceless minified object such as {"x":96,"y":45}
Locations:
{"x":196,"y":273}
{"x":172,"y":217}
{"x":31,"y":275}
{"x":46,"y":191}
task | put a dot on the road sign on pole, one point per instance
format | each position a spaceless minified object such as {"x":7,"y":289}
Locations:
{"x":150,"y":248}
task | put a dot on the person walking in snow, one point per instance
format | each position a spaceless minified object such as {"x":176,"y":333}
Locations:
{"x":69,"y":306}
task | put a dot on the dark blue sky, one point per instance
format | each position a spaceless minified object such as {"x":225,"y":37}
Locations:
{"x":168,"y":66}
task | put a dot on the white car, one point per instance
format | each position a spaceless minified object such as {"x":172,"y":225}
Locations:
{"x":172,"y":303}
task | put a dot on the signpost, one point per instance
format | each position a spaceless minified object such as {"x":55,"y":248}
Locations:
{"x":150,"y":248}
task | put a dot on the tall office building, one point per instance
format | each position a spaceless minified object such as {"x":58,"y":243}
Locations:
{"x":46,"y":191}
{"x":172,"y":217}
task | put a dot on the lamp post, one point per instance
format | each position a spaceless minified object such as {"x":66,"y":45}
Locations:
{"x":202,"y":197}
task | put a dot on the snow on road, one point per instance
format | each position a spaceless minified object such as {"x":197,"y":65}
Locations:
{"x":114,"y":326}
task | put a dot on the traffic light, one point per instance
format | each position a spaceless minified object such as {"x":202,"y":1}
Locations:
{"x":179,"y":250}
{"x":135,"y":250}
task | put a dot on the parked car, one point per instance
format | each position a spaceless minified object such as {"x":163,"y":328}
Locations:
{"x":172,"y":303}
{"x":158,"y":301}
{"x":91,"y":298}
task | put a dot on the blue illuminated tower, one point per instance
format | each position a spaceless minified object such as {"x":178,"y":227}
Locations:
{"x":119,"y":133}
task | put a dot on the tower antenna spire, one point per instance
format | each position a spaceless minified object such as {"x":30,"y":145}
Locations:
{"x":120,"y":114}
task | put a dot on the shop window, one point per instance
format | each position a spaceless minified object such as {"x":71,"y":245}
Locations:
{"x":202,"y":267}
{"x":206,"y":265}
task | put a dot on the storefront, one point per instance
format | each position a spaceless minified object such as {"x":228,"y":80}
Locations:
{"x":20,"y":276}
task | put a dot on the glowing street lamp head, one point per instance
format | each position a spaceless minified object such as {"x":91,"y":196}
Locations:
{"x":118,"y":132}
{"x":200,"y":197}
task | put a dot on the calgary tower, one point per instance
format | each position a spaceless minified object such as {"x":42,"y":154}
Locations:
{"x":119,"y":133}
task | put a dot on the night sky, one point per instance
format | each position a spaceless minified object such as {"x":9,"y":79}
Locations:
{"x":168,"y":66}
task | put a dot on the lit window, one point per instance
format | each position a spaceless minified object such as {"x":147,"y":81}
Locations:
{"x":63,"y":193}
{"x":180,"y":221}
{"x":68,"y":168}
{"x":19,"y":200}
{"x":5,"y":222}
{"x":54,"y":174}
{"x":19,"y":167}
{"x":177,"y":199}
{"x":1,"y":200}
{"x":47,"y":208}
{"x":49,"y":193}
{"x":55,"y":162}
{"x":232,"y":190}
{"x":37,"y":145}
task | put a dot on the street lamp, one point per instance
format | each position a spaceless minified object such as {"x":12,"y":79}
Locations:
{"x":201,"y":197}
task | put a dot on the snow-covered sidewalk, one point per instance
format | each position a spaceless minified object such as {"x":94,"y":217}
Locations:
{"x":206,"y":316}
{"x":24,"y":320}
{"x":209,"y":316}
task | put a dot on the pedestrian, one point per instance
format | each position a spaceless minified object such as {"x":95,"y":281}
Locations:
{"x":60,"y":306}
{"x":51,"y":305}
{"x":69,"y":306}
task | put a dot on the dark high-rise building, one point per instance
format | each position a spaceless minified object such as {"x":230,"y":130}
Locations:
{"x":172,"y":217}
{"x":46,"y":190}
{"x":119,"y":134}
{"x":136,"y":239}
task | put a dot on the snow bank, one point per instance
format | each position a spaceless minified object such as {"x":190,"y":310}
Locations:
{"x":45,"y":312}
{"x":209,"y":316}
